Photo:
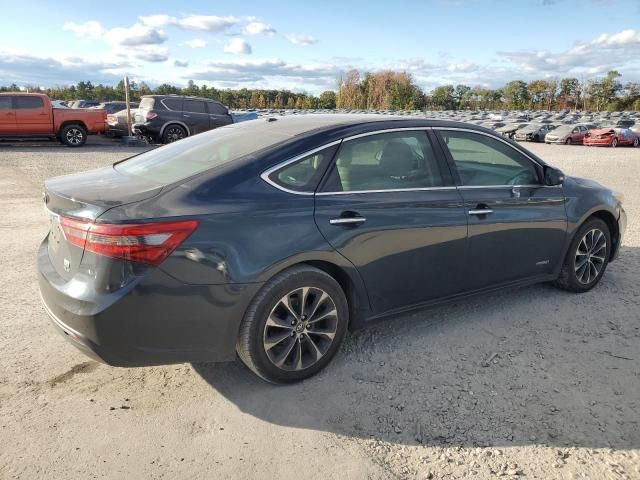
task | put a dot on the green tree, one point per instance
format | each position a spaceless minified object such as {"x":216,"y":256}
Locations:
{"x":515,"y":94}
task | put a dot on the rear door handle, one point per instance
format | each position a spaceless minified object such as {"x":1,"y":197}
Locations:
{"x":347,"y":221}
{"x":480,"y":211}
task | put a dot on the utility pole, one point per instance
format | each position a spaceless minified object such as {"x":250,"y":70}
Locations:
{"x":126,"y":98}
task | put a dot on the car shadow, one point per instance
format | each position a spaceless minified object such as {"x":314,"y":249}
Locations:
{"x":530,"y":366}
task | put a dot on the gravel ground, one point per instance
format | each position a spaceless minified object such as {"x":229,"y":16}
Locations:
{"x":535,"y":382}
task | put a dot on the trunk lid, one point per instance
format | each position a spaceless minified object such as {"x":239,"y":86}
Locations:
{"x":86,"y":196}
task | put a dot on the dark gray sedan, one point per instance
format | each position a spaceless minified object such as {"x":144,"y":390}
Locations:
{"x":271,"y":238}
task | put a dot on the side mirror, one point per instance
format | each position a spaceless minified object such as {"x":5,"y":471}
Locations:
{"x":553,"y":176}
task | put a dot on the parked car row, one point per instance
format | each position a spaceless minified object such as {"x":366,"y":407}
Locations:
{"x":167,"y":118}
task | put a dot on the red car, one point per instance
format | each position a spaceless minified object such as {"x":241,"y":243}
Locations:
{"x":610,"y":137}
{"x":31,"y":115}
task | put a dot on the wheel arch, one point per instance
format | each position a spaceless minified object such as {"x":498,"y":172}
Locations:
{"x":175,"y":122}
{"x":614,"y":230}
{"x":68,"y":123}
{"x":347,"y":277}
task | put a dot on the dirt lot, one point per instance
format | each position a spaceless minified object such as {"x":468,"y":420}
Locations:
{"x":536,"y":382}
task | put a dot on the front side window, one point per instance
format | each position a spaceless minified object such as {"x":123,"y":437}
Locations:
{"x":28,"y":102}
{"x":304,"y":174}
{"x":485,"y":161}
{"x":386,"y":161}
{"x":217,"y":108}
{"x":194,"y":106}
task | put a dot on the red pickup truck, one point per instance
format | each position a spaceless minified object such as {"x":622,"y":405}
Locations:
{"x":31,"y":115}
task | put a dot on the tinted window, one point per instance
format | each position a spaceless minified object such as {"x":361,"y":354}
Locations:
{"x":388,"y":161}
{"x":28,"y":102}
{"x":182,"y":159}
{"x":217,"y":108}
{"x":195,"y":106}
{"x":483,"y":160}
{"x":173,"y":104}
{"x":305,"y":174}
{"x":5,"y":103}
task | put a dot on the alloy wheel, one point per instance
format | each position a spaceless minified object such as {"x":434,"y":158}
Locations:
{"x":174,"y":134}
{"x":74,"y":136}
{"x":590,"y":256}
{"x":300,"y":328}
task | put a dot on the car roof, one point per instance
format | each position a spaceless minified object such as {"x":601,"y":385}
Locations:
{"x":300,"y":124}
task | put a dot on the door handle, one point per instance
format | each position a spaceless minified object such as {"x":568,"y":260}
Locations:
{"x":480,"y":211}
{"x":185,"y":115}
{"x":347,"y":221}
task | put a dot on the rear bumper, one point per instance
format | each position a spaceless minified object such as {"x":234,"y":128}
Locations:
{"x":155,"y":320}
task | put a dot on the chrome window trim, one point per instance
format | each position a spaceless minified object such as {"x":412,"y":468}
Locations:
{"x":391,"y":190}
{"x":265,"y":175}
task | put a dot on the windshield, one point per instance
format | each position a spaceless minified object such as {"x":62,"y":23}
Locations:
{"x":182,"y":159}
{"x":531,"y":128}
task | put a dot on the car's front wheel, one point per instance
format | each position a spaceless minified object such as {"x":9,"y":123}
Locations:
{"x":294,"y":326}
{"x":614,"y":143}
{"x":587,"y":258}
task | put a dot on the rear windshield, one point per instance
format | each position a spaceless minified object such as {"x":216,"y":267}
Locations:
{"x":182,"y":159}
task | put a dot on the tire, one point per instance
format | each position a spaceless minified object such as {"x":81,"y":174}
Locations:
{"x":614,"y":143}
{"x":173,"y":133}
{"x":636,"y":142}
{"x":568,"y":141}
{"x":73,"y":135}
{"x":572,"y":276}
{"x":293,"y":341}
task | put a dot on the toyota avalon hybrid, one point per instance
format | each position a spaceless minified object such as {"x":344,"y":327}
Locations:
{"x":270,"y":239}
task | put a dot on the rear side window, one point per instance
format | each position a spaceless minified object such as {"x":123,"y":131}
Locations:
{"x":5,"y":103}
{"x":174,"y":104}
{"x":179,"y":160}
{"x":217,"y":108}
{"x":28,"y":102}
{"x":195,"y":106}
{"x":304,"y":174}
{"x":386,"y":161}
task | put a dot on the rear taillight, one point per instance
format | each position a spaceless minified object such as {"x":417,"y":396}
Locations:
{"x":142,"y":242}
{"x":151,"y":115}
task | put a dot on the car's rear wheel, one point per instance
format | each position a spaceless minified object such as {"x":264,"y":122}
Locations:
{"x":614,"y":143}
{"x":567,"y":141}
{"x":636,"y":142}
{"x":173,"y":133}
{"x":73,"y":136}
{"x":294,"y":326}
{"x":587,"y":257}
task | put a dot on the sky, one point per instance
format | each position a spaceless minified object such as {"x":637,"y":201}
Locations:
{"x":304,"y":46}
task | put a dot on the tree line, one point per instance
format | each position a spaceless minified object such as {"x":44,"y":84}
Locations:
{"x":389,"y":90}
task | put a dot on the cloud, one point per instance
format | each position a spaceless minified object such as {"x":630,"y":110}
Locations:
{"x":298,"y":39}
{"x":196,"y":43}
{"x":27,"y":69}
{"x":259,"y":28}
{"x":145,"y":53}
{"x":605,"y":52}
{"x":135,"y":35}
{"x":626,"y":37}
{"x":180,"y":63}
{"x":91,"y":29}
{"x":199,"y":23}
{"x":238,"y":46}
